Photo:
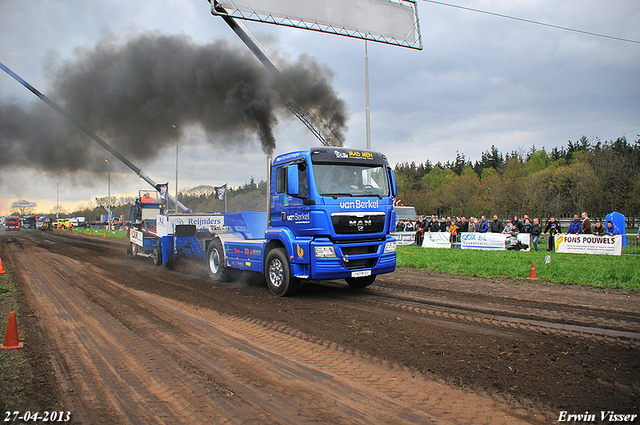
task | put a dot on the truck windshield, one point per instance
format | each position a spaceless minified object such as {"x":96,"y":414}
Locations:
{"x":351,"y":180}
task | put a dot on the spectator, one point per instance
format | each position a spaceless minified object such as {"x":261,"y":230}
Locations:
{"x":434,"y":226}
{"x":453,"y":229}
{"x":472,"y":225}
{"x":443,"y":225}
{"x":497,"y":226}
{"x":484,"y":226}
{"x":586,"y":224}
{"x":409,"y":226}
{"x":526,"y":226}
{"x":554,"y":228}
{"x":575,"y":226}
{"x":465,"y":225}
{"x":508,"y":227}
{"x":476,"y":224}
{"x":448,"y":223}
{"x":420,"y":224}
{"x":612,"y":229}
{"x":400,"y":226}
{"x":536,"y":229}
{"x":517,"y":223}
{"x":512,"y":242}
{"x":599,"y":229}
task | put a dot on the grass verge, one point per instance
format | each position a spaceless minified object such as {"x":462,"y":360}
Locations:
{"x":12,"y":362}
{"x":605,"y":271}
{"x":118,"y":234}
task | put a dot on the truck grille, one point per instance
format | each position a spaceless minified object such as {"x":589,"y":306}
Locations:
{"x":349,"y":224}
{"x":366,"y":263}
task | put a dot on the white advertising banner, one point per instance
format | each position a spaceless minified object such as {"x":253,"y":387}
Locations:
{"x":436,"y":240}
{"x":386,"y":21}
{"x":589,"y":244}
{"x":165,"y":224}
{"x":404,"y":238}
{"x":491,"y":240}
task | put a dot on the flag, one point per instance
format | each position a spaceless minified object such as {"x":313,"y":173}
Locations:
{"x":163,"y":189}
{"x":221,"y":192}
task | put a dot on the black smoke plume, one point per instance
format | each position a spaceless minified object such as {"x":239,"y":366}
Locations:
{"x":130,"y":93}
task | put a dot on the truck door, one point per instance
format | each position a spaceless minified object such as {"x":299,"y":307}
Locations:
{"x":292,"y":190}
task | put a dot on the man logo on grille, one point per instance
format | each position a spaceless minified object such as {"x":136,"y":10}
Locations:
{"x":360,"y":224}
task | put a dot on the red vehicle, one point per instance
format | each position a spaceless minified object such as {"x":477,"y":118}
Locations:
{"x":12,"y":223}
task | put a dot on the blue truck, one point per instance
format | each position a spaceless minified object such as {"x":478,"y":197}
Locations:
{"x":329,"y":216}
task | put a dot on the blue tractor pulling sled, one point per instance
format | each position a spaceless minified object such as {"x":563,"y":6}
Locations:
{"x":329,"y":216}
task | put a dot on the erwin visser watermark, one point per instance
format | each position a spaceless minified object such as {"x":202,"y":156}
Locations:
{"x":602,"y":416}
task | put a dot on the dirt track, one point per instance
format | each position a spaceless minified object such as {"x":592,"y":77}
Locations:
{"x":132,"y":343}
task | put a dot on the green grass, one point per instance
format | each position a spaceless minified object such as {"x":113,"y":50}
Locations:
{"x":118,"y":234}
{"x":606,"y":271}
{"x":11,"y":361}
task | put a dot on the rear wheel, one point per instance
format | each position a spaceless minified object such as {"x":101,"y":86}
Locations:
{"x":278,"y":274}
{"x":218,"y":271}
{"x":360,"y":282}
{"x":156,"y":255}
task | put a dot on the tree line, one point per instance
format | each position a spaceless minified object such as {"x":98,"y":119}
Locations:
{"x":597,"y":177}
{"x":247,"y":197}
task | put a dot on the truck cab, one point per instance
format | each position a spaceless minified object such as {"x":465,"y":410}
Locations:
{"x":330,"y":215}
{"x":12,"y":223}
{"x":142,"y":230}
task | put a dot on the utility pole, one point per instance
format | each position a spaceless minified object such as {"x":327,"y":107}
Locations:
{"x":109,"y":195}
{"x":366,"y":82}
{"x":177,"y":140}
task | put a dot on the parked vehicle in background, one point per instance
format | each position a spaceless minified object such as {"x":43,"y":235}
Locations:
{"x":29,"y":222}
{"x":63,"y":223}
{"x":78,"y":221}
{"x":404,"y":213}
{"x":44,"y":223}
{"x":12,"y":223}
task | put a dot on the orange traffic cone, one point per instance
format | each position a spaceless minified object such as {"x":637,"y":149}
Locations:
{"x":1,"y":269}
{"x":532,"y":273}
{"x":89,"y":232}
{"x":104,"y":235}
{"x":11,"y":334}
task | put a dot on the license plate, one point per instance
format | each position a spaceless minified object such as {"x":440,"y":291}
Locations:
{"x":361,"y":273}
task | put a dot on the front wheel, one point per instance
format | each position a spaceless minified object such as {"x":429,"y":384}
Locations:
{"x":278,"y":274}
{"x":360,"y":282}
{"x":134,"y":249}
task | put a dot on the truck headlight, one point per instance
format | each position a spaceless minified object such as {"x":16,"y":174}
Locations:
{"x":324,"y":252}
{"x":390,"y":247}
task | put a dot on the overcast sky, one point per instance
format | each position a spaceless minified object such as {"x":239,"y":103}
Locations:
{"x":481,"y":80}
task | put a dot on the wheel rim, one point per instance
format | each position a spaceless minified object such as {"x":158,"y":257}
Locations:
{"x":214,"y":261}
{"x":276,"y":273}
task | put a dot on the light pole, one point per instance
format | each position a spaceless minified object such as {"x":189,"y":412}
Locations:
{"x":177,"y":140}
{"x":109,"y":195}
{"x":57,"y":200}
{"x":368,"y":110}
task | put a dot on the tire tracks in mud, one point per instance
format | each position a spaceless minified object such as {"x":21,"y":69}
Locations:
{"x":535,"y":319}
{"x":129,"y":356}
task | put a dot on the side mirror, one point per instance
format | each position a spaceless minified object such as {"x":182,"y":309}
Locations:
{"x":392,"y":180}
{"x":293,"y":184}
